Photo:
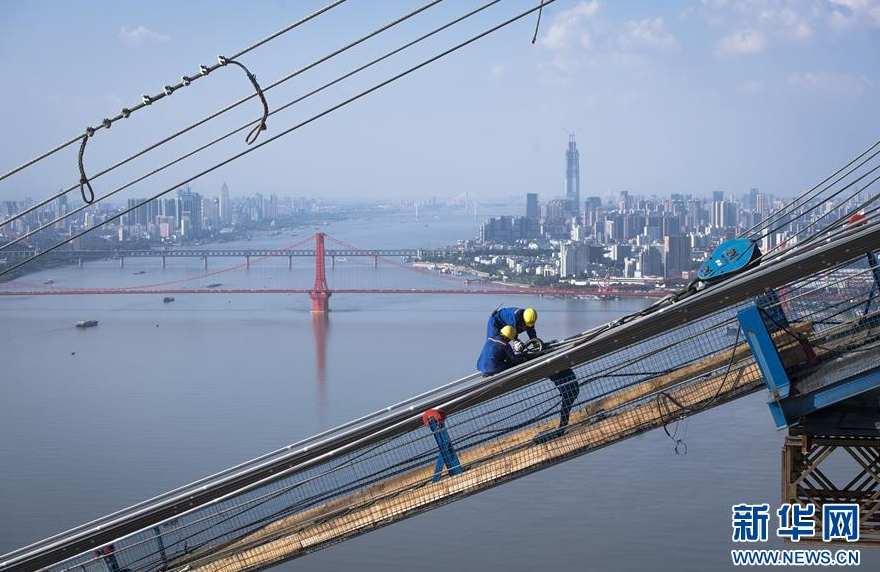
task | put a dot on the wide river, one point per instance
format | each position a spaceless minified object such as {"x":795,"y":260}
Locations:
{"x":160,"y":394}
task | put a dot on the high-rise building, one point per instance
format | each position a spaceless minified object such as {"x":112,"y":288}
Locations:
{"x":573,"y":259}
{"x":762,"y":205}
{"x":225,"y":212}
{"x":676,"y":255}
{"x":61,"y":210}
{"x":651,"y":262}
{"x":190,"y":212}
{"x":572,"y":177}
{"x":533,"y":212}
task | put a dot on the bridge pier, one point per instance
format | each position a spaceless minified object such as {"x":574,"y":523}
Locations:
{"x":247,"y":262}
{"x":205,"y":259}
{"x":163,"y":262}
{"x":122,"y":262}
{"x":332,"y":262}
{"x":289,"y":262}
{"x":805,"y":482}
{"x":375,"y":262}
{"x":80,"y":262}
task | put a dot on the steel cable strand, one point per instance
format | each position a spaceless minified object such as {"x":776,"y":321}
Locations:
{"x":806,"y":340}
{"x":264,"y":498}
{"x":299,"y":527}
{"x":300,"y":505}
{"x":835,"y":224}
{"x":324,"y":497}
{"x":721,"y":385}
{"x":287,"y":131}
{"x":177,"y":281}
{"x":168,"y":90}
{"x":233,"y":105}
{"x":267,"y":497}
{"x":287,"y":448}
{"x":782,"y":210}
{"x":231,"y":133}
{"x":475,"y":397}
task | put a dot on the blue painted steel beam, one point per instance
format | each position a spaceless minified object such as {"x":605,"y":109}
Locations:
{"x":788,"y":409}
{"x":799,"y":406}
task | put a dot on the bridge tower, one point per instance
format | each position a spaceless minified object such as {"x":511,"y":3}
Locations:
{"x":320,"y":293}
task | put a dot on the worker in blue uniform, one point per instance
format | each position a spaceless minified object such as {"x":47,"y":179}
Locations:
{"x":497,"y":355}
{"x":520,"y":319}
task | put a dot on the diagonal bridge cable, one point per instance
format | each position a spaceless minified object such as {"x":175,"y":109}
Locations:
{"x":815,"y":191}
{"x":168,"y":90}
{"x":289,"y":130}
{"x":221,"y":138}
{"x":243,"y":100}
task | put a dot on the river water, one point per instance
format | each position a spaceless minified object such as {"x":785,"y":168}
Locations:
{"x":161,"y":394}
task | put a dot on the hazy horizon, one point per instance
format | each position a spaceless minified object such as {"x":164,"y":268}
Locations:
{"x":685,"y":97}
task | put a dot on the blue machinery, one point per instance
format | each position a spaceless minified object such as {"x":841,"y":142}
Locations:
{"x":811,"y":343}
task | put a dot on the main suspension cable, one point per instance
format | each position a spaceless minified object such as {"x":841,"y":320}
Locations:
{"x":327,"y":111}
{"x":233,"y":132}
{"x":169,"y":89}
{"x":223,"y":110}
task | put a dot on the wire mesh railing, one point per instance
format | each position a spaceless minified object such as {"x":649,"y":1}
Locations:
{"x":497,"y":433}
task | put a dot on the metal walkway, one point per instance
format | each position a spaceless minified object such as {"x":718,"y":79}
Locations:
{"x":622,"y":379}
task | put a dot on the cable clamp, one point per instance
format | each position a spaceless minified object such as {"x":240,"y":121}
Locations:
{"x":107,"y":123}
{"x":169,"y":90}
{"x":126,"y":112}
{"x":204,"y":70}
{"x":185,"y":80}
{"x":146,"y":99}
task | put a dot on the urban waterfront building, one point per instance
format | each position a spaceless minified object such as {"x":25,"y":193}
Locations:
{"x":533,"y":211}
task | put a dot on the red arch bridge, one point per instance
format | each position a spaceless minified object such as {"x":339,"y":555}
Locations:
{"x":319,"y":293}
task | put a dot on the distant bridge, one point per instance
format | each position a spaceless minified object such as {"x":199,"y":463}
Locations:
{"x":320,"y":292}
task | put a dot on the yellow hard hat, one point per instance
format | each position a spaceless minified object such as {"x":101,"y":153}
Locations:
{"x":530,"y":316}
{"x":508,"y":332}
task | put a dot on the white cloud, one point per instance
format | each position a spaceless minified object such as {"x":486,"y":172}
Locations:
{"x":647,"y":33}
{"x":140,"y":35}
{"x":569,"y":27}
{"x":742,"y":42}
{"x":579,"y":36}
{"x":853,"y":12}
{"x":830,"y":82}
{"x":785,"y":20}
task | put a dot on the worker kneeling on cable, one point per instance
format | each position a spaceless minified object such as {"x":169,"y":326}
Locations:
{"x":497,"y":355}
{"x":519,"y":319}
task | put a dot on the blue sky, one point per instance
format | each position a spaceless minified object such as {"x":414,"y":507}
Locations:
{"x":677,"y":96}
